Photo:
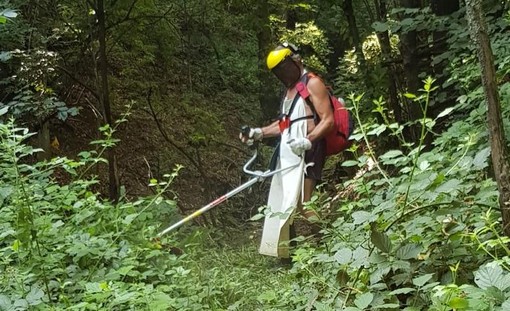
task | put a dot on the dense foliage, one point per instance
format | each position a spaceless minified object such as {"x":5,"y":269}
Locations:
{"x":415,"y":226}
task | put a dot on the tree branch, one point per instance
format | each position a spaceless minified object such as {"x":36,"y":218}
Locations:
{"x":125,"y":18}
{"x":168,"y":139}
{"x":88,"y":88}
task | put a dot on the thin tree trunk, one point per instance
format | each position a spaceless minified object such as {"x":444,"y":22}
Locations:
{"x":499,"y":150}
{"x":353,"y":29}
{"x":291,"y":16}
{"x":411,"y":60}
{"x":384,"y":40}
{"x":43,"y":141}
{"x":440,"y":46}
{"x":105,"y":98}
{"x":268,"y":100}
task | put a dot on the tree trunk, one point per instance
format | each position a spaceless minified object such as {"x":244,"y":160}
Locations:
{"x":267,"y":98}
{"x":440,"y":46}
{"x":384,"y":41}
{"x":291,"y":16}
{"x":353,"y":30}
{"x":43,"y":141}
{"x":499,"y":151}
{"x":105,"y":98}
{"x":411,"y":60}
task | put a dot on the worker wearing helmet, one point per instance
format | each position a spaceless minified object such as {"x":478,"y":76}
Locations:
{"x":302,"y":129}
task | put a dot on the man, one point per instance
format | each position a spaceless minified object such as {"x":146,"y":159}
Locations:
{"x":286,"y":64}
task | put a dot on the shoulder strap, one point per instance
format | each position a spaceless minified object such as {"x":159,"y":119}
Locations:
{"x":302,"y":89}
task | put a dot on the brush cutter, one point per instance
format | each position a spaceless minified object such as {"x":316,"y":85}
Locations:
{"x":258,"y":176}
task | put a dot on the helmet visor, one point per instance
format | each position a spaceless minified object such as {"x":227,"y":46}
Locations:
{"x":287,"y":71}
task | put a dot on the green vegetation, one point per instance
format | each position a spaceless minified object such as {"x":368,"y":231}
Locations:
{"x":114,"y":125}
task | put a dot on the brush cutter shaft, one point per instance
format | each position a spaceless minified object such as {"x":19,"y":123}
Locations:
{"x":204,"y":209}
{"x":258,"y":175}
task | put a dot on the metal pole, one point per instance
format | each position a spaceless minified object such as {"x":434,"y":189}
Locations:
{"x":259,"y":175}
{"x":204,"y":209}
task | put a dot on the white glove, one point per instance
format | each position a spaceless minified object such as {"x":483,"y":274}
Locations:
{"x":300,"y":145}
{"x":254,"y":135}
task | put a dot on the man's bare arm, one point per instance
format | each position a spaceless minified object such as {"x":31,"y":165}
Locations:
{"x":319,"y":96}
{"x":272,"y":130}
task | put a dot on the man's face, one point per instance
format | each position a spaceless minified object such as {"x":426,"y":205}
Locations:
{"x":287,"y":71}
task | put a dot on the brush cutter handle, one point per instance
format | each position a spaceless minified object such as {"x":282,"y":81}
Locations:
{"x":250,"y":161}
{"x":245,"y":130}
{"x":250,"y":136}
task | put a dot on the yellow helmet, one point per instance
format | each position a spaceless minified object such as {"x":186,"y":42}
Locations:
{"x":276,"y":56}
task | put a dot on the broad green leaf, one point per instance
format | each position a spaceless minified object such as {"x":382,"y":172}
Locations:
{"x":378,"y":275}
{"x":93,"y":287}
{"x":34,"y":296}
{"x":387,"y":306}
{"x":422,"y":280}
{"x":360,"y":257}
{"x":392,"y":154}
{"x":21,"y":304}
{"x":122,"y":298}
{"x":5,"y":192}
{"x":381,"y":241}
{"x":343,"y":256}
{"x":160,"y":302}
{"x":356,"y":137}
{"x":362,"y":217}
{"x":506,"y":305}
{"x":364,"y":300}
{"x":125,"y":270}
{"x":4,"y":110}
{"x":16,"y":245}
{"x":482,"y":158}
{"x":5,"y":302}
{"x":449,"y":186}
{"x":458,"y":303}
{"x":407,"y":22}
{"x":445,"y":112}
{"x":410,"y":95}
{"x":405,"y":290}
{"x":378,"y":130}
{"x":492,"y":275}
{"x":408,"y":251}
{"x":129,"y":218}
{"x":268,"y":295}
{"x":351,"y":309}
{"x":3,"y":20}
{"x":350,"y":163}
{"x":424,"y":165}
{"x":495,"y":294}
{"x":380,"y":27}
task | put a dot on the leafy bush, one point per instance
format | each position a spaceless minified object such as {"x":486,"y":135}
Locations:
{"x":413,"y":234}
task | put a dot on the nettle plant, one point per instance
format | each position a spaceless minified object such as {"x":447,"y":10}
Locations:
{"x":63,"y":247}
{"x":413,"y":227}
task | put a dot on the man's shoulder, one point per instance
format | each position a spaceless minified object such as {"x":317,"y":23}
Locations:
{"x":315,"y":80}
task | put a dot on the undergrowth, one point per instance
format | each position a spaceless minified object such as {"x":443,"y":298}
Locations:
{"x":423,"y":233}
